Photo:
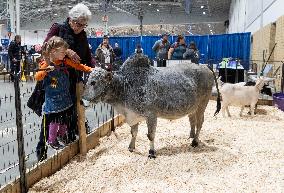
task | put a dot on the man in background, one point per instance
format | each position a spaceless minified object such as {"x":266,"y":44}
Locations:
{"x":14,"y":52}
{"x":161,"y":48}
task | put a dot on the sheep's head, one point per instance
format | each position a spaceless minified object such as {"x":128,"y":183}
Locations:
{"x":259,"y":83}
{"x":97,"y":85}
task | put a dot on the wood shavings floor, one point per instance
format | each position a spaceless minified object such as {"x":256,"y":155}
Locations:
{"x":238,"y":154}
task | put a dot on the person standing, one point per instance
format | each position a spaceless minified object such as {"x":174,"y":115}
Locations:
{"x":192,"y":53}
{"x":177,"y":49}
{"x":73,"y":33}
{"x":105,"y":54}
{"x":14,"y":52}
{"x":118,"y":57}
{"x":138,"y":49}
{"x":161,"y":48}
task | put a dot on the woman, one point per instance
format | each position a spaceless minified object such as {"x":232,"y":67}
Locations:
{"x":72,"y":32}
{"x":177,"y":49}
{"x":105,"y":54}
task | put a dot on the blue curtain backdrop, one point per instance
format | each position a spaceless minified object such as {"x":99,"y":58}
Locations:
{"x":212,"y":47}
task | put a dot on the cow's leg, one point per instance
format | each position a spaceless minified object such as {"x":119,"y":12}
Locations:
{"x":192,"y":121}
{"x":228,"y":112}
{"x":199,"y":122}
{"x":134,"y":131}
{"x":242,"y":109}
{"x":151,"y":124}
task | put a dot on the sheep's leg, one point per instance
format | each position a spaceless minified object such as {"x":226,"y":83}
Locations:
{"x":242,"y":109}
{"x":192,"y":120}
{"x":228,"y":112}
{"x":224,"y":107}
{"x":134,"y":131}
{"x":252,"y":109}
{"x":151,"y":124}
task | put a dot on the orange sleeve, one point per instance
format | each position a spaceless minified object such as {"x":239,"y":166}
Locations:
{"x":41,"y":74}
{"x":77,"y":66}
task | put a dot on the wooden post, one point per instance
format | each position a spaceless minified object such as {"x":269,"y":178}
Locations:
{"x":20,"y":135}
{"x":81,"y":120}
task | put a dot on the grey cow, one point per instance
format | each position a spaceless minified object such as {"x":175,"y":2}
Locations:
{"x":142,"y":92}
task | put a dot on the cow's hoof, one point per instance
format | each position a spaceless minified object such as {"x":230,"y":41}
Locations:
{"x":130,"y":149}
{"x":152,"y":154}
{"x":194,"y":143}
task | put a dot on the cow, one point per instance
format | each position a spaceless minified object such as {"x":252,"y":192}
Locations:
{"x":140,"y":92}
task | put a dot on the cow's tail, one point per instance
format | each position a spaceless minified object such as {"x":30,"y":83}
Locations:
{"x":218,"y":92}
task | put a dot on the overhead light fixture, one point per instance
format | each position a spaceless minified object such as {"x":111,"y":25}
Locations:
{"x":55,"y":14}
{"x":38,"y":10}
{"x":158,"y":10}
{"x":202,"y":6}
{"x":204,"y":13}
{"x":150,"y":4}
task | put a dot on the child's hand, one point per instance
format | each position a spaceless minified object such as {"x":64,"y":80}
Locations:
{"x":49,"y":68}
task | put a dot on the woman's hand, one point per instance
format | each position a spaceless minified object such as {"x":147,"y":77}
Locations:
{"x":73,"y":56}
{"x":49,"y":68}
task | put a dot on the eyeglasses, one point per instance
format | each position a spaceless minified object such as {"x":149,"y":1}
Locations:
{"x":79,"y":25}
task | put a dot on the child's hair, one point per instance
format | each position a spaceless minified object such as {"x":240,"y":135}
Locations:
{"x":54,"y":42}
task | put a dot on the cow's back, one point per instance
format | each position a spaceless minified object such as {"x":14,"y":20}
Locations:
{"x":176,"y":91}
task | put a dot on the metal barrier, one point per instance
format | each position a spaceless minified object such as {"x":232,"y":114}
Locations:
{"x":30,"y":125}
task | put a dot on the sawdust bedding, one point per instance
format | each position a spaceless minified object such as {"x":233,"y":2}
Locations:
{"x":237,"y":154}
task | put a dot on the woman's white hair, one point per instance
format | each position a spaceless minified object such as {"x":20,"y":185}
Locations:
{"x":80,"y":11}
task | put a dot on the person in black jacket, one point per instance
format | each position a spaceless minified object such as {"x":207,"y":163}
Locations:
{"x":72,"y":31}
{"x":192,"y":53}
{"x":14,"y":52}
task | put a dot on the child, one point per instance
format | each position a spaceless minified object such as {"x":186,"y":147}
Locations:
{"x":56,"y":84}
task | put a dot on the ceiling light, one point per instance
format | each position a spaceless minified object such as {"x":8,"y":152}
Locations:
{"x":150,"y":4}
{"x":202,"y":6}
{"x":50,"y":0}
{"x":38,"y":10}
{"x":158,"y":10}
{"x":204,"y":13}
{"x":55,"y":14}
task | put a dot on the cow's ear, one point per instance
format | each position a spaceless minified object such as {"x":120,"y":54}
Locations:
{"x":108,"y":77}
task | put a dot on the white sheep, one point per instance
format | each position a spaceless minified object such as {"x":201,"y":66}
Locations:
{"x":240,"y":95}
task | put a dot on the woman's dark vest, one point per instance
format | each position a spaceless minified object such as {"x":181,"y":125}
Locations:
{"x":79,"y":44}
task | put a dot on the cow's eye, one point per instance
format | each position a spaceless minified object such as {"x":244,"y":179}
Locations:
{"x":93,"y":83}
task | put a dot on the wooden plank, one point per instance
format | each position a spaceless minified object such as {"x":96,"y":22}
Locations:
{"x":81,"y":120}
{"x":53,"y":164}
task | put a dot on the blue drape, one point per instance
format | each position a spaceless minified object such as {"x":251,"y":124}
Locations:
{"x":211,"y":47}
{"x":230,"y":45}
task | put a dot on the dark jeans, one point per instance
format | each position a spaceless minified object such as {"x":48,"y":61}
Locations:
{"x":161,"y":63}
{"x":15,"y":68}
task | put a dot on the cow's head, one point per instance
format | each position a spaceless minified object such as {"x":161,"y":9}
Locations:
{"x":98,"y":83}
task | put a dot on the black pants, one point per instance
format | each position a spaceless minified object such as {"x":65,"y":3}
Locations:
{"x":161,"y":63}
{"x":14,"y":68}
